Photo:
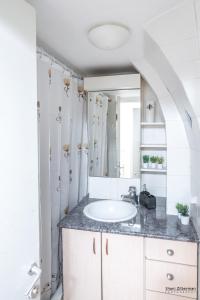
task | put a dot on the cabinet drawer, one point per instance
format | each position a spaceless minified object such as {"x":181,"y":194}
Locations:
{"x":171,"y":251}
{"x":162,"y":276}
{"x":158,"y":296}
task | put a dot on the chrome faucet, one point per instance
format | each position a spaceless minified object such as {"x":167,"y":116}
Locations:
{"x":131,"y":196}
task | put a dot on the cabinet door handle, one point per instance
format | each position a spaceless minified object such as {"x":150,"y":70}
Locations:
{"x":94,"y":246}
{"x":170,"y":252}
{"x":170,"y":276}
{"x":106,"y":246}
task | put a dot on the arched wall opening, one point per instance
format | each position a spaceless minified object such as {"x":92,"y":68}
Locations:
{"x":182,"y":128}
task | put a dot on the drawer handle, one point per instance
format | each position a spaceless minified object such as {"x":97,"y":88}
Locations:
{"x":170,"y":276}
{"x":170,"y":252}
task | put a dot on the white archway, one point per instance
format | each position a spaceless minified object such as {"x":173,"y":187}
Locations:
{"x":164,"y":63}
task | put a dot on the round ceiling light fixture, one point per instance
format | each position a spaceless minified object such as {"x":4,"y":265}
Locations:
{"x":109,"y":36}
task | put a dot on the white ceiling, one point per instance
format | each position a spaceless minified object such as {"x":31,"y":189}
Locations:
{"x":62,"y":28}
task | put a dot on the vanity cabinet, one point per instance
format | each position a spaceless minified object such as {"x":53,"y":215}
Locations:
{"x":81,"y":265}
{"x":107,"y":266}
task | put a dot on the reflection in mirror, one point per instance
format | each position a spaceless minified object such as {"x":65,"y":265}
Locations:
{"x":114,"y":133}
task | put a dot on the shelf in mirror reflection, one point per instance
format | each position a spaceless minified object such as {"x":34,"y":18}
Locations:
{"x":151,"y":170}
{"x":153,"y":146}
{"x":153,"y":124}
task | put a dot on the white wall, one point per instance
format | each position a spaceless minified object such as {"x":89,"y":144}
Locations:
{"x":44,"y":176}
{"x":19,"y":213}
{"x":176,"y":33}
{"x":178,"y":179}
{"x":170,"y":63}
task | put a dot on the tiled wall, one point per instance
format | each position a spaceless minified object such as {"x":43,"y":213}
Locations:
{"x":110,"y":188}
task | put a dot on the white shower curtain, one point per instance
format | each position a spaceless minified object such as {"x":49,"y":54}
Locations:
{"x":63,"y":148}
{"x":97,"y":122}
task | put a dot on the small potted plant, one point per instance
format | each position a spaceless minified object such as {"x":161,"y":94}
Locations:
{"x":153,"y":160}
{"x":178,"y":207}
{"x":185,"y":215}
{"x":160,"y":161}
{"x":145,"y":161}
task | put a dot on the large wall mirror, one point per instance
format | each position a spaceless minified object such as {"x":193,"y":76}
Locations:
{"x":114,"y":133}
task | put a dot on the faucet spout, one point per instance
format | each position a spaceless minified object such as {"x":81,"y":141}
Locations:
{"x":131,"y":196}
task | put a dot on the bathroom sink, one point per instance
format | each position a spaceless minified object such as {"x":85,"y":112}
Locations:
{"x":110,"y":211}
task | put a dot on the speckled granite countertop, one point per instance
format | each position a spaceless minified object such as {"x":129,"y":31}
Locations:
{"x":148,"y":223}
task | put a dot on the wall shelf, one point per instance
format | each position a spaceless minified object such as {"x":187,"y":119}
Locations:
{"x":153,"y":146}
{"x":153,"y":142}
{"x":163,"y":171}
{"x":153,"y":124}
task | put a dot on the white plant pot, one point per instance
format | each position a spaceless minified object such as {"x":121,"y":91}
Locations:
{"x":153,"y":166}
{"x":185,"y":220}
{"x":160,"y":166}
{"x":145,"y":165}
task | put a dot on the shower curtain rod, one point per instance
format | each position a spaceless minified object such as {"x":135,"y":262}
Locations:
{"x":42,"y":52}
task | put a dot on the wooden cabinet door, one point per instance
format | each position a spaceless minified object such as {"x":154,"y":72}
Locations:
{"x":81,"y":265}
{"x":122,"y":267}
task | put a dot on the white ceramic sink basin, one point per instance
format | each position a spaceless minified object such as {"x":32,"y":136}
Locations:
{"x":110,"y":211}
